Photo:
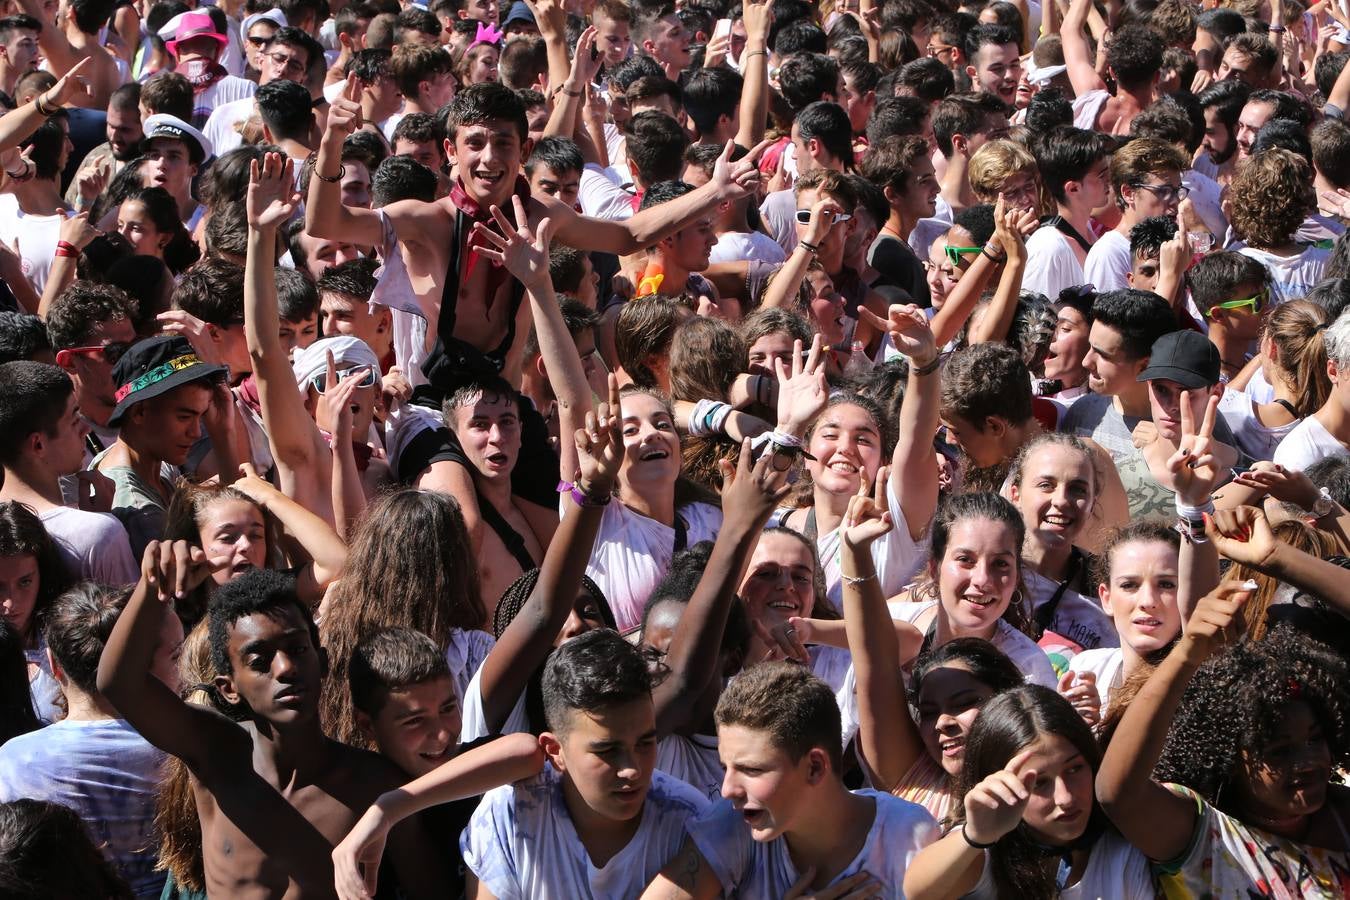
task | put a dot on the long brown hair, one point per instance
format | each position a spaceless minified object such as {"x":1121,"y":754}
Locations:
{"x":411,"y":565}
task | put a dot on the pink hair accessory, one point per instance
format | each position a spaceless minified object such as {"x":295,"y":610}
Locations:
{"x":487,"y":34}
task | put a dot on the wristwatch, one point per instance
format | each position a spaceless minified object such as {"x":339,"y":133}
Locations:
{"x":1323,"y":505}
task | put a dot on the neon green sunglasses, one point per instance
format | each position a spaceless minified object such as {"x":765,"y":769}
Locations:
{"x":954,"y":254}
{"x":1256,"y":301}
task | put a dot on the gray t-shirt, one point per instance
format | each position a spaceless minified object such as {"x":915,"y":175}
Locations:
{"x":138,"y":505}
{"x":1095,"y":416}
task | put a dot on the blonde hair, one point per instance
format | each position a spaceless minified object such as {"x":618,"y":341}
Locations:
{"x":993,"y":164}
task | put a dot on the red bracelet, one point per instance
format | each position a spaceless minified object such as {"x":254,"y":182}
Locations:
{"x":66,"y":249}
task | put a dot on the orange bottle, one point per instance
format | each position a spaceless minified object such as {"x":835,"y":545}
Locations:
{"x":652,"y":276}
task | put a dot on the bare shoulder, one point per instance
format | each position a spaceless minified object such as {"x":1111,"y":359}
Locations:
{"x":360,"y":775}
{"x":430,"y":223}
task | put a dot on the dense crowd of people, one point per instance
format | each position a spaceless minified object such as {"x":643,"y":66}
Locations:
{"x":628,"y":448}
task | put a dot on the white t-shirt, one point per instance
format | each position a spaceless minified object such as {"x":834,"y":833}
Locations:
{"x":522,"y":845}
{"x":464,"y":655}
{"x":1030,"y":659}
{"x":632,"y":553}
{"x":1086,"y":108}
{"x":221,"y":127}
{"x":1253,"y":438}
{"x":694,"y":760}
{"x":1052,"y":265}
{"x":1108,"y":262}
{"x":1078,"y":618}
{"x":93,"y":546}
{"x":1108,"y":664}
{"x":36,"y":237}
{"x":930,"y":229}
{"x":779,"y":212}
{"x":733,"y":246}
{"x":225,"y":92}
{"x":750,"y":870}
{"x":1307,"y":443}
{"x":473,"y":722}
{"x":896,"y":556}
{"x":1115,"y":871}
{"x":601,"y":196}
{"x":1291,"y":277}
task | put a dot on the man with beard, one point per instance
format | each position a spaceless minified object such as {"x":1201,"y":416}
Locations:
{"x":18,"y":52}
{"x":107,"y":159}
{"x":1222,"y":104}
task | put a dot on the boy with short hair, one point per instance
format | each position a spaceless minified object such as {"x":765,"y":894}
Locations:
{"x":599,"y":821}
{"x":787,"y":821}
{"x":298,"y":308}
{"x":1146,"y":240}
{"x":274,"y":794}
{"x":42,"y":438}
{"x":1074,"y":167}
{"x":1232,"y":292}
{"x":345,"y":308}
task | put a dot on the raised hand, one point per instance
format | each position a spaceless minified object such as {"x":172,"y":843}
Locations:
{"x":549,"y":16}
{"x":91,"y":182}
{"x":272,"y":198}
{"x":867,"y":517}
{"x":782,"y":641}
{"x":79,"y":231}
{"x":824,"y":213}
{"x":174,"y":568}
{"x":253,"y":485}
{"x":1243,"y":535}
{"x":1192,"y":470}
{"x":1210,"y":627}
{"x":751,"y":489}
{"x":344,"y":113}
{"x":802,"y":391}
{"x":584,"y":69}
{"x":758,"y":18}
{"x":522,"y":251}
{"x":735,"y":180}
{"x":600,"y":445}
{"x":197,"y":332}
{"x":72,"y":86}
{"x":909,"y":330}
{"x":335,"y":411}
{"x":995,"y":806}
{"x":1080,"y":689}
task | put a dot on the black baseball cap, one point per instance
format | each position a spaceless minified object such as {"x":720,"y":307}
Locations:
{"x":156,"y":366}
{"x":1186,"y":357}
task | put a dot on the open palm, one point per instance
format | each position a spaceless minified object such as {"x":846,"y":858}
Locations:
{"x":272,"y":198}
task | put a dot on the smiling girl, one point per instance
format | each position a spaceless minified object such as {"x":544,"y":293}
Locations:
{"x":1053,"y":483}
{"x":974,"y":584}
{"x":1028,"y":825}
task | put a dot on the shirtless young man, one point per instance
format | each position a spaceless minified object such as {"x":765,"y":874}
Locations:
{"x":1134,"y":60}
{"x":274,"y":795}
{"x":75,"y":37}
{"x":509,"y":533}
{"x":485,"y":320}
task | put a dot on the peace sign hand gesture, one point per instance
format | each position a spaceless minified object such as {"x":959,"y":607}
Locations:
{"x":909,"y":330}
{"x":344,"y":113}
{"x":600,"y":446}
{"x":1192,"y":470}
{"x":868,"y":517}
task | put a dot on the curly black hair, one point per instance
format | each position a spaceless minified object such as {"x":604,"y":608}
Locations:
{"x":1235,"y":704}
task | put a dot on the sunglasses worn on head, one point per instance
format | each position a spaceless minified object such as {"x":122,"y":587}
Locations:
{"x":1256,"y":301}
{"x":111,"y":352}
{"x":804,"y":217}
{"x":955,"y":253}
{"x":319,"y":382}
